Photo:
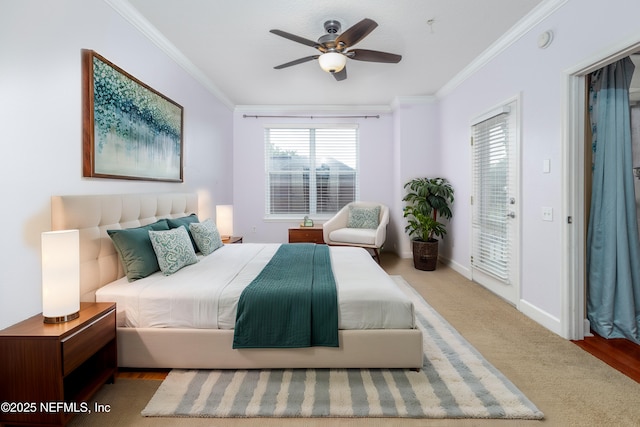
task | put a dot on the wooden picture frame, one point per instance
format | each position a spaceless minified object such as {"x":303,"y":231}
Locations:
{"x":130,"y":131}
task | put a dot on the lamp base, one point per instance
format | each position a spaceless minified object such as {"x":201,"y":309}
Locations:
{"x":61,"y":319}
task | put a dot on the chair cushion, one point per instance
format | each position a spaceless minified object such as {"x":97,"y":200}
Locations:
{"x":363,"y":217}
{"x":355,"y":236}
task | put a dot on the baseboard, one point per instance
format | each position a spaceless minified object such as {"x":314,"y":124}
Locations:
{"x":458,"y":268}
{"x":540,"y":316}
{"x":536,"y":314}
{"x":406,"y":254}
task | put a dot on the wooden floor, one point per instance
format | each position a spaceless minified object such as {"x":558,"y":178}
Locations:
{"x":142,"y":374}
{"x":618,"y":353}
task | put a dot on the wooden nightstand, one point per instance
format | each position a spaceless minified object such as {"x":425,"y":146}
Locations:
{"x":232,"y":239}
{"x":306,"y":234}
{"x":49,"y":372}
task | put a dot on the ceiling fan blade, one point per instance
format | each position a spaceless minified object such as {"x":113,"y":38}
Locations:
{"x":356,"y":33}
{"x":340,"y":75}
{"x":373,"y":56}
{"x":296,"y":62}
{"x":298,"y":39}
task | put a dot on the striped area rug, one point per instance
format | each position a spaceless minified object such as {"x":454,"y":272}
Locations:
{"x":455,"y":382}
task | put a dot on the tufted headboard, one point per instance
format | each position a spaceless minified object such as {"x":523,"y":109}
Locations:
{"x":93,"y":215}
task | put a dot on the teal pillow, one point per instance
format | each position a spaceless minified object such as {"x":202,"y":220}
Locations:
{"x":185,"y":221}
{"x":361,"y":217}
{"x":206,"y":235}
{"x":173,"y":249}
{"x":135,"y":251}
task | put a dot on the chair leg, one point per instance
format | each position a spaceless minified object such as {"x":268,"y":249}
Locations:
{"x":376,"y":255}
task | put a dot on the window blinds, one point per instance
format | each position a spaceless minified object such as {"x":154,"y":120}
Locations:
{"x":490,"y":212}
{"x":310,"y":170}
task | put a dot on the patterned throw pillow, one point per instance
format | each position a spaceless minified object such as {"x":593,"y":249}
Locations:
{"x":173,"y":249}
{"x":206,"y":235}
{"x":360,"y":217}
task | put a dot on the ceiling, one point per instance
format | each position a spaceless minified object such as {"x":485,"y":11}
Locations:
{"x":229,"y":45}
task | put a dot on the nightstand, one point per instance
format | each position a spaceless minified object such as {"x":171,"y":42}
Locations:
{"x":306,"y":234}
{"x":232,"y":239}
{"x":49,"y":372}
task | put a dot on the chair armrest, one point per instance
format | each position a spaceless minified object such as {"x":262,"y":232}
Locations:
{"x":336,"y":222}
{"x":381,"y":231}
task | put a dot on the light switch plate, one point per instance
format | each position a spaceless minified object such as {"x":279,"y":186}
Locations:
{"x":547,"y":214}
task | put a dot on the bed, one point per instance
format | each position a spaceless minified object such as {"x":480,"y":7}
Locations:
{"x":369,"y":336}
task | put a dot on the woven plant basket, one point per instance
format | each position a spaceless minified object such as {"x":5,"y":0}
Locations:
{"x":425,"y":255}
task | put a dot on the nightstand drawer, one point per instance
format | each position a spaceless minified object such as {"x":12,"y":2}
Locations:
{"x":306,"y":234}
{"x":83,"y":344}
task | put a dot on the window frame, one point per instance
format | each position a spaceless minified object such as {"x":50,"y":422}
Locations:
{"x":287,"y":217}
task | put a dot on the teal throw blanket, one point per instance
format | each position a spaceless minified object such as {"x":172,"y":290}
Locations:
{"x":292,"y":303}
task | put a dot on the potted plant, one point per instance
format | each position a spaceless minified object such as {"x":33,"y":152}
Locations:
{"x":427,"y":200}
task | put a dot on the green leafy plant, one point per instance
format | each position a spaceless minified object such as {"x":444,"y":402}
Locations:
{"x":427,"y":199}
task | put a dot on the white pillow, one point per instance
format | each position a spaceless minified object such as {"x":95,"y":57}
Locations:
{"x":206,"y":236}
{"x":173,"y":249}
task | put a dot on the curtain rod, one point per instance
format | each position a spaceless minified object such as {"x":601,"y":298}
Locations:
{"x":313,"y":117}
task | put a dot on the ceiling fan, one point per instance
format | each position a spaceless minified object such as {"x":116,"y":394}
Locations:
{"x":334,"y":46}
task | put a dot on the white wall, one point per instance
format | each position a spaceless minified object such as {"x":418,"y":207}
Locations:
{"x":582,"y":30}
{"x":40,"y":113}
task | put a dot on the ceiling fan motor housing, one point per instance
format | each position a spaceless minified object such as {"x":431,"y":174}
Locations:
{"x":332,"y":26}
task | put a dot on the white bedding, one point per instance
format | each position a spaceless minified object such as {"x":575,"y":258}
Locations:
{"x":205,"y":294}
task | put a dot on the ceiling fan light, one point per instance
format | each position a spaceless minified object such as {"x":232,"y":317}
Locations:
{"x":332,"y":62}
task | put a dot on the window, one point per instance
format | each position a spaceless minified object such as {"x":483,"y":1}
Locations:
{"x":311,"y":170}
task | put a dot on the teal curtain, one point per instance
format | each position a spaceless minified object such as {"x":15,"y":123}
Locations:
{"x":613,"y":248}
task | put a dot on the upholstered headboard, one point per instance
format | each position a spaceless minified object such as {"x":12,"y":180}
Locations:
{"x":93,"y":215}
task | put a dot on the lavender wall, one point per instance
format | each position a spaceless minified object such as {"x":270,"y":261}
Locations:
{"x":376,"y":173}
{"x":583,"y":29}
{"x":40,"y":44}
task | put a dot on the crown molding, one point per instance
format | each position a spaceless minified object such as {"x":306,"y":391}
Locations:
{"x":399,"y":101}
{"x":131,"y":14}
{"x":523,"y":26}
{"x":537,"y":15}
{"x":281,"y":109}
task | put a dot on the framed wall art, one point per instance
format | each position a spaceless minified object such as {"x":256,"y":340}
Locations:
{"x":130,"y":131}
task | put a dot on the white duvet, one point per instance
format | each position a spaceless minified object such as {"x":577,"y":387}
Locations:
{"x":205,"y":294}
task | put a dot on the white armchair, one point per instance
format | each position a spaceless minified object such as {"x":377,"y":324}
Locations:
{"x":349,"y":227}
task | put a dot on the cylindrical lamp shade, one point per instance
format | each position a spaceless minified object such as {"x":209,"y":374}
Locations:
{"x":60,"y":275}
{"x":332,"y":62}
{"x":224,"y":220}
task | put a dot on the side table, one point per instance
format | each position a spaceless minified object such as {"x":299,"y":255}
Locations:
{"x":232,"y":239}
{"x":50,"y":371}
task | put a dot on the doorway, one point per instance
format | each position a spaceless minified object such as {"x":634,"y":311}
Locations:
{"x":576,"y":180}
{"x":495,"y":215}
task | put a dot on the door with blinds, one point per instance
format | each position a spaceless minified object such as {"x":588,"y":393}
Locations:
{"x":495,"y":214}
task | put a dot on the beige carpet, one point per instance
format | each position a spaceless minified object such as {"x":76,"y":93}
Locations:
{"x":571,"y":387}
